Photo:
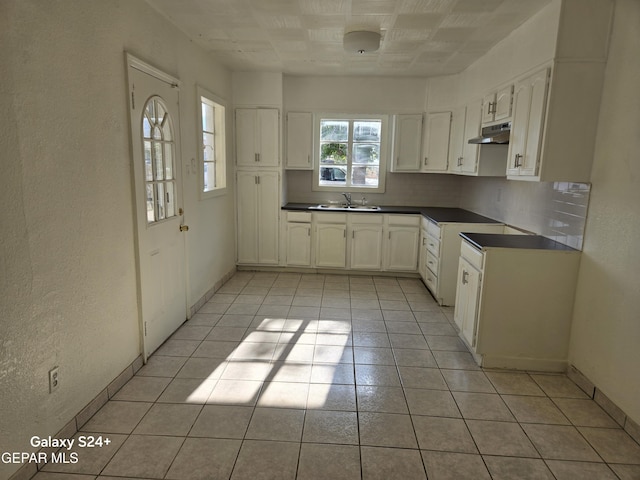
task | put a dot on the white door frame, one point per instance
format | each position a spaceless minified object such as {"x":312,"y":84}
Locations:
{"x":131,"y":62}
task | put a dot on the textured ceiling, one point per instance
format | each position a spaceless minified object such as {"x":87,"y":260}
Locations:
{"x":419,"y":37}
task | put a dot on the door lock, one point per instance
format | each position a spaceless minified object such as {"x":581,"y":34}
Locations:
{"x":184,"y":228}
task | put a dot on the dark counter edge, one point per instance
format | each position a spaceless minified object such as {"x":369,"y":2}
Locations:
{"x":436,"y":214}
{"x":505,"y":240}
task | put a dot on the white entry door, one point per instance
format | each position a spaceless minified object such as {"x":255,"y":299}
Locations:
{"x":160,"y":239}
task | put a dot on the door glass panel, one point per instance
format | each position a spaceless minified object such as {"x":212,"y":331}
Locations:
{"x":160,"y":204}
{"x":207,"y":117}
{"x":170,"y":195}
{"x":157,"y":157}
{"x":148,"y":165}
{"x":209,"y":152}
{"x":168,"y":161}
{"x":151,"y":202}
{"x":209,"y":176}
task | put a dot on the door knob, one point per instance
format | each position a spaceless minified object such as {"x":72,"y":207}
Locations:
{"x":184,"y":228}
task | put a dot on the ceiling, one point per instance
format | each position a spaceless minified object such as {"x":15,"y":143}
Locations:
{"x":304,"y":37}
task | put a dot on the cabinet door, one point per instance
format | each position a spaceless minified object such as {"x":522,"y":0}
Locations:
{"x":246,"y":147}
{"x":502,"y":106}
{"x":407,"y":141}
{"x":268,"y":207}
{"x":299,"y":141}
{"x":247,"y":212}
{"x":331,"y":245}
{"x":402,"y":248}
{"x":456,"y":142}
{"x":529,"y":103}
{"x":422,"y":255}
{"x":268,"y":137}
{"x":471,"y":129}
{"x":488,"y":106}
{"x":366,"y":247}
{"x":467,"y":296}
{"x":299,"y":244}
{"x":436,"y":146}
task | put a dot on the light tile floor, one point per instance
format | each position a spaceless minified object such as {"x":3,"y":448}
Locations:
{"x":284,"y":376}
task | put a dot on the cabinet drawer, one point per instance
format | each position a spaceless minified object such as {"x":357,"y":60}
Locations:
{"x":473,"y":255}
{"x":366,"y":219}
{"x":433,"y":245}
{"x":433,"y":229}
{"x":331,"y":217}
{"x":432,"y":262}
{"x":404,"y":220}
{"x":303,"y":217}
{"x":431,"y":280}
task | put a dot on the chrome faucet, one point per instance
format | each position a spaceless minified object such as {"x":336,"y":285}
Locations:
{"x":348,"y":197}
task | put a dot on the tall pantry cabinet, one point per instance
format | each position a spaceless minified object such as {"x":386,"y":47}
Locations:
{"x":257,"y":133}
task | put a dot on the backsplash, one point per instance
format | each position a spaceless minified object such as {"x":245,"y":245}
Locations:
{"x":556,"y":210}
{"x":409,"y":189}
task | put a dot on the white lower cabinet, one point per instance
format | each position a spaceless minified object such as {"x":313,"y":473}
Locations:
{"x":330,"y":233}
{"x":366,"y":242}
{"x":402,"y":243}
{"x":514,"y":305}
{"x":439,"y":262}
{"x":298,"y":236}
{"x":258,"y":216}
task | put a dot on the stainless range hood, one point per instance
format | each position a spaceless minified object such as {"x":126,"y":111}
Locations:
{"x":495,"y":134}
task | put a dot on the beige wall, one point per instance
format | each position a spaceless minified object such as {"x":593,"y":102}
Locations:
{"x":605,"y":340}
{"x":67,"y":269}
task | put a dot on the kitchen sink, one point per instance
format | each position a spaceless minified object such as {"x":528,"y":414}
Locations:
{"x":371,"y":208}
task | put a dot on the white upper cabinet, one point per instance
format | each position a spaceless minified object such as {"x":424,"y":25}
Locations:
{"x":464,"y":155}
{"x":257,"y":137}
{"x":496,"y":106}
{"x":436,"y":142}
{"x":407,"y":143}
{"x":526,"y":129}
{"x":299,"y":141}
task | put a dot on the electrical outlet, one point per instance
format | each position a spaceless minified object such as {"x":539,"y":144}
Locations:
{"x":53,"y":379}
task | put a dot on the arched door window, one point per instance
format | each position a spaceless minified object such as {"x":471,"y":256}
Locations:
{"x":159,"y":153}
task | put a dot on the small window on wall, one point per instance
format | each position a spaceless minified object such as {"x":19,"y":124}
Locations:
{"x":213,"y":158}
{"x":351,"y":152}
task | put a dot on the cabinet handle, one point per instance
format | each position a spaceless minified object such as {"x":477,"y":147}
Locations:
{"x":460,"y":160}
{"x":258,"y":177}
{"x":309,"y":159}
{"x":518,"y":161}
{"x":256,"y":157}
{"x":465,"y":275}
{"x":425,"y":160}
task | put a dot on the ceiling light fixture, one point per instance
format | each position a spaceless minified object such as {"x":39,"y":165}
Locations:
{"x":361,"y":41}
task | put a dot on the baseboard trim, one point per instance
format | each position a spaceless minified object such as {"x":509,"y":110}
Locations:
{"x":588,"y":387}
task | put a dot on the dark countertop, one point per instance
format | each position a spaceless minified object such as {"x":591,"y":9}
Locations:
{"x":436,"y":214}
{"x":503,"y":240}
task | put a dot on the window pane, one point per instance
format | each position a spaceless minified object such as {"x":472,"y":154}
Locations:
{"x":170,"y":194}
{"x":365,"y":176}
{"x":333,"y":153}
{"x":166,"y":129}
{"x":207,"y":117}
{"x":209,"y":147}
{"x":157,"y":133}
{"x":334,"y":131}
{"x":333,"y":176}
{"x":366,"y":131}
{"x":151,"y":216}
{"x":160,"y":202}
{"x":168,"y":161}
{"x":157,"y":160}
{"x":148,"y":168}
{"x":146,"y":126}
{"x":209,"y":176}
{"x":366,"y":153}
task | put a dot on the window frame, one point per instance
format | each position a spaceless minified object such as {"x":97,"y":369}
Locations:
{"x":384,"y":151}
{"x":220,"y":142}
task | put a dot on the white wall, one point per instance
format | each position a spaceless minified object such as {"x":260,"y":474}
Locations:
{"x":67,"y":269}
{"x":606,"y":327}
